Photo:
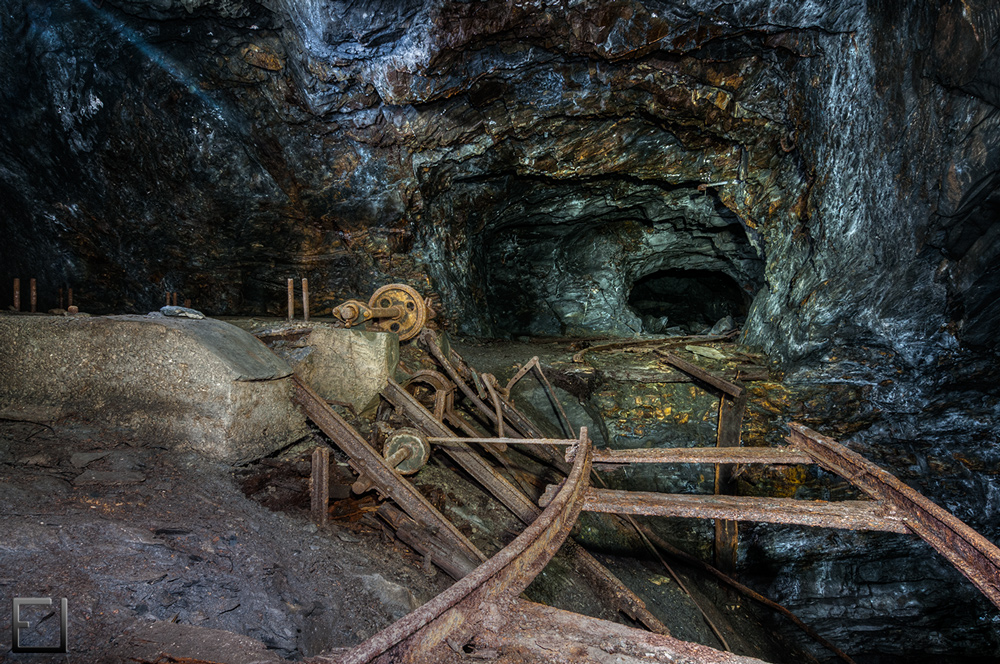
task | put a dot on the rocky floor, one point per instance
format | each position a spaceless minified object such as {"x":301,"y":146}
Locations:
{"x":154,"y":547}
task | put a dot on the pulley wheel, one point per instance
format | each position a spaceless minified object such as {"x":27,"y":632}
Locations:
{"x":412,"y":316}
{"x":413,"y":440}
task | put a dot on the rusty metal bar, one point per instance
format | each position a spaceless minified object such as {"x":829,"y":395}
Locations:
{"x":369,"y":462}
{"x":513,"y":441}
{"x":33,"y":295}
{"x":305,"y":299}
{"x":730,"y":424}
{"x":17,"y":294}
{"x":319,"y":486}
{"x":291,"y":299}
{"x":846,"y":514}
{"x":755,"y":455}
{"x":463,"y":609}
{"x":971,"y":553}
{"x":731,"y":389}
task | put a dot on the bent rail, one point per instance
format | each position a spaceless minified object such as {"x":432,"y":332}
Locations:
{"x":461,"y":610}
{"x":971,"y":553}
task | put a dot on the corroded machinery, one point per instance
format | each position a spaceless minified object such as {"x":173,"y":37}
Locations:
{"x":393,"y":308}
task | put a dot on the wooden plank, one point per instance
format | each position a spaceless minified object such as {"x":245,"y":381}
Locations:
{"x":971,"y":553}
{"x":729,"y":388}
{"x":755,"y":455}
{"x":848,"y":514}
{"x":319,"y":485}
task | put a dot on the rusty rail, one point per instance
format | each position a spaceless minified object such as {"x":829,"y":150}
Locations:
{"x":479,"y":604}
{"x":971,"y":553}
{"x":845,"y":514}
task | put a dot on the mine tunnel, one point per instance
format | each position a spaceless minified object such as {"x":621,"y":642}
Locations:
{"x":689,"y":299}
{"x":444,"y":331}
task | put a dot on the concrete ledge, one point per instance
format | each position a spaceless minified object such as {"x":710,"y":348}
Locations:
{"x":198,"y":383}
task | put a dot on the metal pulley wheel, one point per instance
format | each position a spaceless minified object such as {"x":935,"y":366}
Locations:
{"x":410,"y":311}
{"x":418,"y":451}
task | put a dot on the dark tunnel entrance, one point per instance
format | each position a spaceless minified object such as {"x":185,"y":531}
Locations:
{"x":690,"y":299}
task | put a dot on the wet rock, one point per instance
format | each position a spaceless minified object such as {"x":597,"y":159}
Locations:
{"x":181,"y":312}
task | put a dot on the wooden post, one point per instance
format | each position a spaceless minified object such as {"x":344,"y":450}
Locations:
{"x":69,"y":298}
{"x":319,"y":485}
{"x":61,"y":302}
{"x":727,"y":532}
{"x":168,"y":298}
{"x":305,"y":299}
{"x":291,"y":299}
{"x":17,"y":294}
{"x":34,"y":296}
{"x":173,"y":297}
{"x":187,"y":303}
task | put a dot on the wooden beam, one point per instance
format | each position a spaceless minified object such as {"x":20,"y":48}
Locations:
{"x":848,"y":514}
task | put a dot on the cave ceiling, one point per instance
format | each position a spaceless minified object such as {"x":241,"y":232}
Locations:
{"x":525,"y":162}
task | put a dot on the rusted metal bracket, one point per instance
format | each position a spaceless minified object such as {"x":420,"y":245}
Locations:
{"x":971,"y":553}
{"x":480,"y":604}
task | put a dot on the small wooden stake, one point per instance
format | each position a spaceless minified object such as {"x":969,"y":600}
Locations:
{"x":61,"y":302}
{"x":174,"y":298}
{"x":319,"y":485}
{"x":291,"y":299}
{"x":187,"y":303}
{"x":34,"y":296}
{"x":69,"y":298}
{"x":305,"y":299}
{"x":168,"y":298}
{"x":17,"y":294}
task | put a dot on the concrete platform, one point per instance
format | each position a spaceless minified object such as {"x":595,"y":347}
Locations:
{"x":204,"y":384}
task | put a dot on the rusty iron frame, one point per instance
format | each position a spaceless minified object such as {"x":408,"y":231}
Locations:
{"x":479,"y":604}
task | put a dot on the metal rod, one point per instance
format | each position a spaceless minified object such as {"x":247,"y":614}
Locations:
{"x":319,"y":485}
{"x":291,"y":299}
{"x":305,"y":299}
{"x":518,"y":441}
{"x":34,"y":296}
{"x":17,"y":294}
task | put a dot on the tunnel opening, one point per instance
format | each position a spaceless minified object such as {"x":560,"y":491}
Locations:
{"x":691,"y":300}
